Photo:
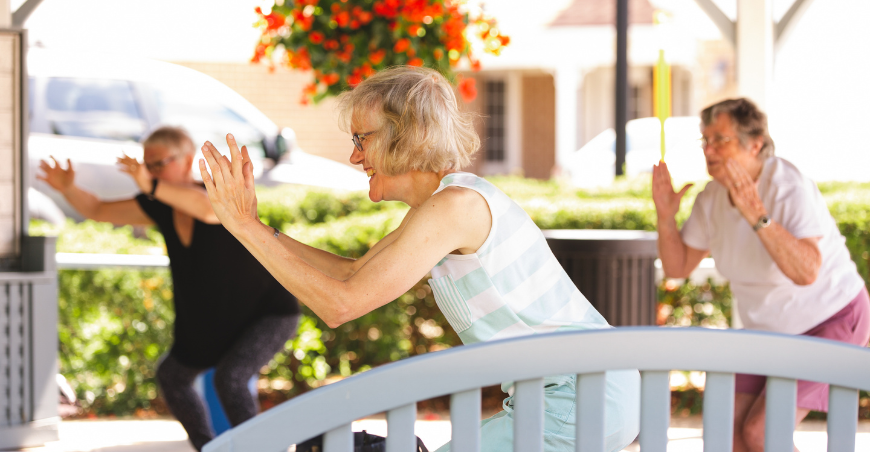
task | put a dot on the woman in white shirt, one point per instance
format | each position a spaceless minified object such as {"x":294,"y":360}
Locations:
{"x":767,"y":227}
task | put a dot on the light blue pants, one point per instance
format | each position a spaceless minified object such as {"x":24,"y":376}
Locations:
{"x":621,"y":415}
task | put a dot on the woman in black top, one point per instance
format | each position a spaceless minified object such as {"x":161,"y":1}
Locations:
{"x":230,"y":313}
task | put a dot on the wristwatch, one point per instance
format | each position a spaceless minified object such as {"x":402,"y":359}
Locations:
{"x":763,"y":222}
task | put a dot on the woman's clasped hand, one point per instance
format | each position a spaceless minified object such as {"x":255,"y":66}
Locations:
{"x":230,"y":185}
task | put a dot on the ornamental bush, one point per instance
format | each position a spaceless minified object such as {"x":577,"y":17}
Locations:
{"x":346,"y":41}
{"x":115,"y":324}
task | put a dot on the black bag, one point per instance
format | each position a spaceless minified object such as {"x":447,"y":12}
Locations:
{"x":362,"y":442}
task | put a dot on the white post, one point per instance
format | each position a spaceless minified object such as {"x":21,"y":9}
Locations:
{"x":567,"y":81}
{"x":755,"y":50}
{"x":5,"y":14}
{"x":513,"y":134}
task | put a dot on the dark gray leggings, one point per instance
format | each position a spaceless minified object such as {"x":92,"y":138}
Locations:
{"x":257,"y":345}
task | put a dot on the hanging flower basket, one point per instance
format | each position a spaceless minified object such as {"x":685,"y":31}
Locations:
{"x":345,"y":41}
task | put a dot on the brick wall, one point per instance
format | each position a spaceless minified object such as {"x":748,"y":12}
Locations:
{"x":539,"y":126}
{"x":277,"y":94}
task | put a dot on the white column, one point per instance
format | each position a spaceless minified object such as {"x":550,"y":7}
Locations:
{"x":567,"y":121}
{"x":5,"y":14}
{"x":755,"y":50}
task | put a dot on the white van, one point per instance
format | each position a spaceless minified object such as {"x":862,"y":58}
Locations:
{"x":91,"y":108}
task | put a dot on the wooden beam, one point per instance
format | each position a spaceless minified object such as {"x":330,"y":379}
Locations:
{"x":23,"y":12}
{"x":726,"y":26}
{"x":788,"y":21}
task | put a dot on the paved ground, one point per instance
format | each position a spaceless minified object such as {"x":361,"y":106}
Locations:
{"x":168,"y":436}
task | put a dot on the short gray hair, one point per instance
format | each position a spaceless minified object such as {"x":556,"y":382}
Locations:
{"x":175,"y":138}
{"x":749,"y":122}
{"x":421,"y":125}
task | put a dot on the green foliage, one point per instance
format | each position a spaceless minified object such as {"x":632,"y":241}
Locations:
{"x":115,"y":324}
{"x":706,"y":305}
{"x":113,"y":327}
{"x":287,"y":205}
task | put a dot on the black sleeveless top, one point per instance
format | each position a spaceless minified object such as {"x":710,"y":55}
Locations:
{"x":220,"y":289}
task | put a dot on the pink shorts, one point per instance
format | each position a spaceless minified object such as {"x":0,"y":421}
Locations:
{"x":851,"y":325}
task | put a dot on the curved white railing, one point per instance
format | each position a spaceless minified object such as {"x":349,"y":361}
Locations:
{"x":462,"y":371}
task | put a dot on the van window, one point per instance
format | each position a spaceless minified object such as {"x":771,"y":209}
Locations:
{"x":93,"y":108}
{"x":205,"y":118}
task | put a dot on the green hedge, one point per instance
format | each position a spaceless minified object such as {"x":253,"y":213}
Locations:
{"x":114,"y":324}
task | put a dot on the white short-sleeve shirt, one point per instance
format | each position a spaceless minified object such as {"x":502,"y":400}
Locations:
{"x":769,"y":300}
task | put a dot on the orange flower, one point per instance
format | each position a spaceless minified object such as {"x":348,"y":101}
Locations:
{"x":274,"y":21}
{"x":331,"y":44}
{"x":299,"y":59}
{"x":377,"y":56}
{"x":415,"y":62}
{"x":367,"y":70}
{"x":354,"y":79}
{"x":402,"y":45}
{"x":413,"y":29}
{"x":331,"y":78}
{"x":475,"y":65}
{"x":343,"y":19}
{"x":468,"y":89}
{"x":315,"y":37}
{"x":438,"y":53}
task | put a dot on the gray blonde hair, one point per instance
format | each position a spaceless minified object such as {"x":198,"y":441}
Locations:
{"x":171,"y":137}
{"x":420,"y":125}
{"x":749,"y":122}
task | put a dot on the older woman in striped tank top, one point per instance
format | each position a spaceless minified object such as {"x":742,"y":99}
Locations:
{"x":493,"y":274}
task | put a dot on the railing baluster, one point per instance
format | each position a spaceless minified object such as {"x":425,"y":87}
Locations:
{"x":529,"y":415}
{"x":465,"y":421}
{"x":780,"y":414}
{"x":338,"y":439}
{"x":719,"y":412}
{"x":16,"y":349}
{"x":400,"y":429}
{"x":590,"y":412}
{"x":655,"y":411}
{"x":842,"y":418}
{"x":5,"y":362}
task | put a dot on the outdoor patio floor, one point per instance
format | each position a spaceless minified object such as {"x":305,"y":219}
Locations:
{"x":168,"y":436}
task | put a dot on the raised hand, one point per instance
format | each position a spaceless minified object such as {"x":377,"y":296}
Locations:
{"x":744,"y":192}
{"x":230,"y":185}
{"x":58,"y":178}
{"x":137,"y":171}
{"x":667,"y":201}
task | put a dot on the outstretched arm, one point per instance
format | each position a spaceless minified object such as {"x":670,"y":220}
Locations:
{"x":338,"y":267}
{"x":85,"y":203}
{"x":187,"y":198}
{"x":427,"y":237}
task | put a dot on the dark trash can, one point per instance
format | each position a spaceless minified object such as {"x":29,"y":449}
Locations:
{"x":614,"y":269}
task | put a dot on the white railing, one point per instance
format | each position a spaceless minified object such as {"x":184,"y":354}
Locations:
{"x":88,"y":261}
{"x":462,"y":371}
{"x":85,"y":261}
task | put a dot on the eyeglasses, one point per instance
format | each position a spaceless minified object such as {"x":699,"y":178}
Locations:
{"x":358,"y":139}
{"x":156,"y":167}
{"x":717,"y":142}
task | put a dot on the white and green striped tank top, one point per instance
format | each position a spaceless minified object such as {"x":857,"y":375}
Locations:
{"x":513,"y":285}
